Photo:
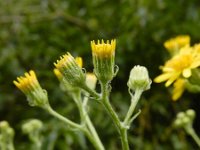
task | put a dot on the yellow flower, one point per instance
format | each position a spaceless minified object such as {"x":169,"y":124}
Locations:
{"x":59,"y":75}
{"x":27,"y":83}
{"x":71,"y":69}
{"x":30,"y":86}
{"x":179,"y":87}
{"x":103,"y":55}
{"x":102,"y":49}
{"x":174,"y":44}
{"x":65,"y":61}
{"x":180,"y":65}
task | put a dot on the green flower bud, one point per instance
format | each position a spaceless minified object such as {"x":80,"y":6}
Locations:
{"x":32,"y":126}
{"x":4,"y":125}
{"x":6,"y":136}
{"x":180,"y":115}
{"x":139,"y":79}
{"x":178,"y":123}
{"x":191,"y":114}
{"x":186,"y":120}
{"x":6,"y":130}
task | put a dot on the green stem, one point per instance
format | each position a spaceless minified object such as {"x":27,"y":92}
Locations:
{"x":75,"y":125}
{"x":93,"y":140}
{"x":134,"y":101}
{"x":124,"y":138}
{"x":65,"y":120}
{"x":93,"y":132}
{"x":90,"y":91}
{"x":36,"y":140}
{"x":120,"y":127}
{"x":77,"y":98}
{"x":86,"y":119}
{"x":193,"y":134}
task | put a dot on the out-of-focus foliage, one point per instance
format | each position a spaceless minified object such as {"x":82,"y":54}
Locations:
{"x":34,"y":33}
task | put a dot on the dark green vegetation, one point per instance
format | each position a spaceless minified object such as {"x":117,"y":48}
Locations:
{"x":34,"y":33}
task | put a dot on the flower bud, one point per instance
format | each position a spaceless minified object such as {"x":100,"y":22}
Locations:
{"x":64,"y":84}
{"x":180,"y":115}
{"x":6,"y":135}
{"x":191,"y":114}
{"x":6,"y":130}
{"x":178,"y":123}
{"x":71,"y":69}
{"x":30,"y":86}
{"x":139,"y":79}
{"x":186,"y":120}
{"x":91,"y":80}
{"x":103,"y":55}
{"x":32,"y":126}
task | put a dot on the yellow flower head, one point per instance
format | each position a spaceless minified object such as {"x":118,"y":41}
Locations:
{"x":102,"y":49}
{"x":70,"y":69}
{"x":176,"y":43}
{"x":27,"y":83}
{"x":180,"y":65}
{"x":59,"y":75}
{"x":30,"y":86}
{"x":65,"y":61}
{"x":179,"y":87}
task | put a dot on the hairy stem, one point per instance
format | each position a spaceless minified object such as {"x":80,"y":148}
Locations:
{"x":120,"y":127}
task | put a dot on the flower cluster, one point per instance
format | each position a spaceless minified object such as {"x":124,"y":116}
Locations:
{"x":184,"y":118}
{"x":80,"y":85}
{"x":178,"y":69}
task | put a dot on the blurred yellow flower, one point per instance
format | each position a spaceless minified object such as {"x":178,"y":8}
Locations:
{"x":174,"y":44}
{"x":180,"y":65}
{"x":179,"y":87}
{"x":102,"y":49}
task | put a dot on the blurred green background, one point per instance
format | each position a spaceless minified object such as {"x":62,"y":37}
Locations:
{"x":34,"y":33}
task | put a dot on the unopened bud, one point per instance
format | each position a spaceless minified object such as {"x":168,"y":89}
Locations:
{"x":191,"y":114}
{"x":139,"y":78}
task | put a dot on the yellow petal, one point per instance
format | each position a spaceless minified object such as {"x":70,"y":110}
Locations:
{"x":179,"y":87}
{"x":162,"y":77}
{"x":172,"y":79}
{"x":79,"y":61}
